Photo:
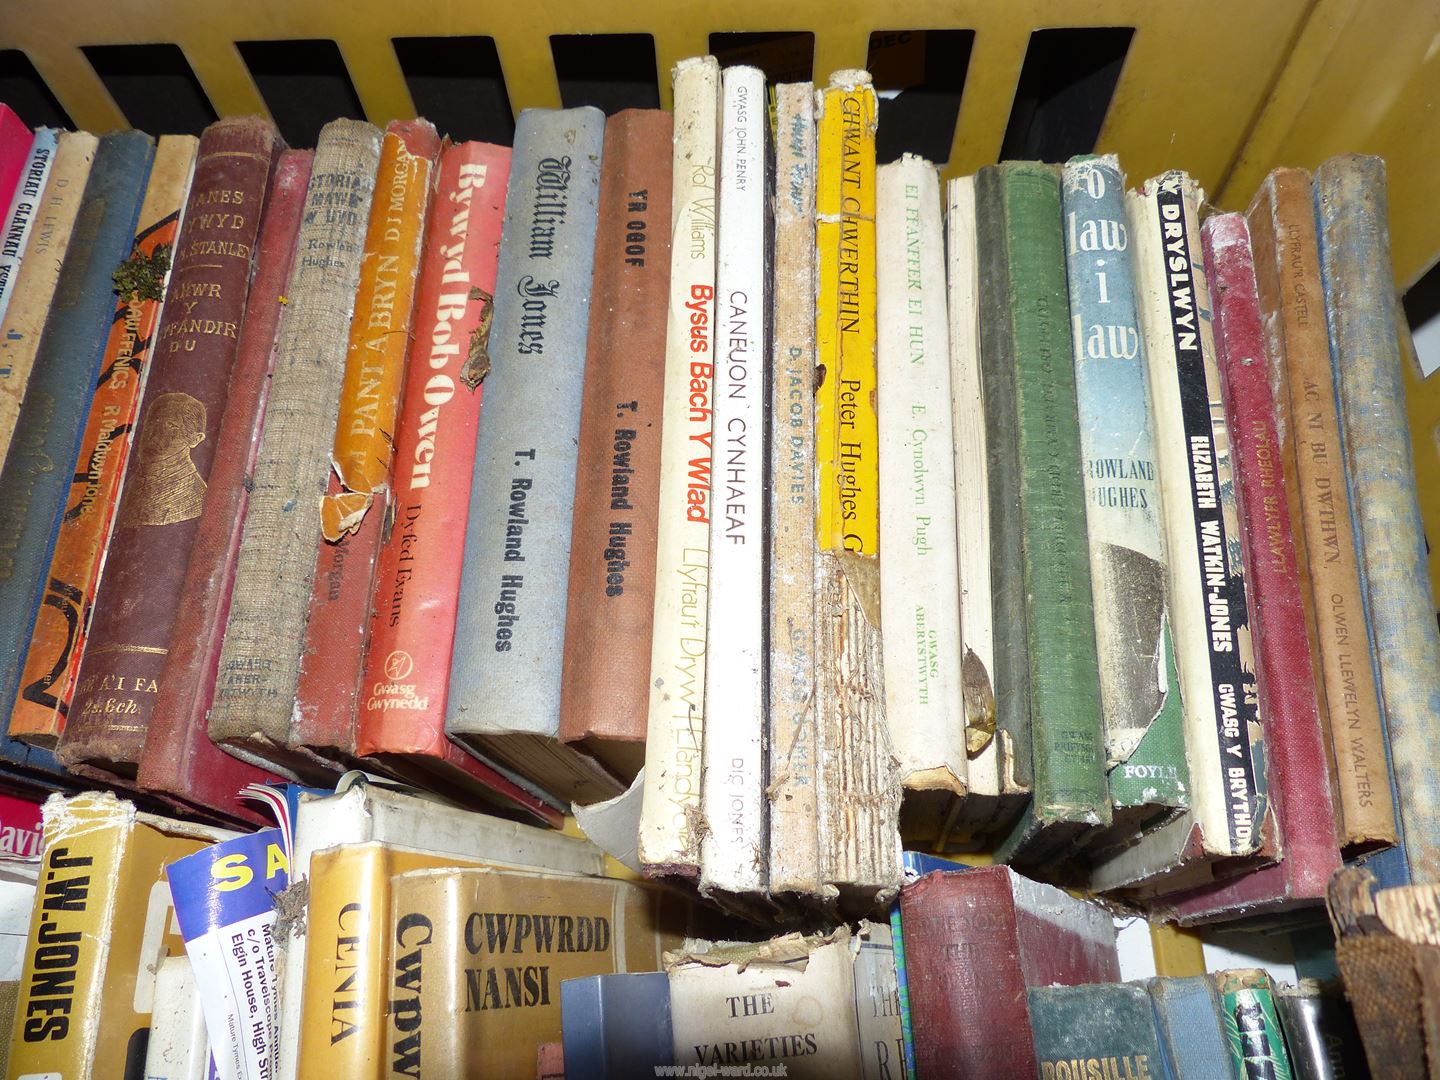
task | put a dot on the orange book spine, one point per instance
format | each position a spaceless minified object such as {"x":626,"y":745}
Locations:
{"x":47,"y":682}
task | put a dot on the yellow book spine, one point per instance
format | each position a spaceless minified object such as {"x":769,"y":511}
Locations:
{"x":846,"y":434}
{"x":380,"y":328}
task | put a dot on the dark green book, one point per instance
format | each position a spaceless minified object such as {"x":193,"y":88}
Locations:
{"x":1104,"y":1031}
{"x":1257,"y":1044}
{"x":1011,"y":678}
{"x":1070,"y":795}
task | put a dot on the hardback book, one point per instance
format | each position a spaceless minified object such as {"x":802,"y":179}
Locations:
{"x":1096,"y":1031}
{"x":1149,"y":778}
{"x":787,"y":1003}
{"x":47,"y":677}
{"x":177,"y":1048}
{"x":15,"y":142}
{"x":506,"y":666}
{"x":1069,"y":794}
{"x":1192,"y":1036}
{"x":104,"y":925}
{"x":1297,"y":348}
{"x":974,"y":941}
{"x":39,"y":270}
{"x":920,"y":602}
{"x":478,"y":956}
{"x":134,"y":616}
{"x":669,"y":840}
{"x":794,"y":809}
{"x":859,"y":836}
{"x":374,"y":832}
{"x":616,"y":1027}
{"x":1230,"y":821}
{"x":337,"y":630}
{"x":610,"y":611}
{"x":877,"y":1004}
{"x":1295,"y":741}
{"x":1320,"y":1034}
{"x":1247,"y":1005}
{"x":994,"y":796}
{"x":34,"y":492}
{"x":178,"y":761}
{"x":1360,"y":310}
{"x":24,"y":208}
{"x":733,"y":853}
{"x":400,"y":726}
{"x":275,"y":568}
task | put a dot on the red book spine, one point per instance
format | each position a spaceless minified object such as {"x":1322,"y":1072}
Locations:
{"x":1298,"y":773}
{"x":15,"y":140}
{"x":179,"y":759}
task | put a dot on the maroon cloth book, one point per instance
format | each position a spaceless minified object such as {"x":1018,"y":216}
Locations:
{"x":974,"y":940}
{"x":179,"y":760}
{"x":1298,"y":773}
{"x":176,"y":436}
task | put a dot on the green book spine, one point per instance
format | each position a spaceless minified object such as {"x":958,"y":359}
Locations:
{"x":1067,"y":733}
{"x":1251,"y":1025}
{"x":1100,"y":1030}
{"x":997,"y":383}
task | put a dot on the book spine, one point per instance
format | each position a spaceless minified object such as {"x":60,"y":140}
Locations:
{"x":161,"y":498}
{"x":1287,"y":272}
{"x":972,"y":503}
{"x":877,"y":1004}
{"x":1294,"y":740}
{"x":1197,"y":497}
{"x":1010,"y":672}
{"x":33,"y":491}
{"x":39,"y":270}
{"x":505,"y":672}
{"x":407,"y":669}
{"x":1360,"y":308}
{"x":669,"y":840}
{"x":274,"y":573}
{"x":921,"y":599}
{"x":177,"y":1048}
{"x":1257,"y":1043}
{"x":1066,"y":726}
{"x":47,"y":680}
{"x":610,"y":611}
{"x":57,"y":1017}
{"x":179,"y":758}
{"x":1122,"y":496}
{"x":962,"y":967}
{"x":24,"y":209}
{"x":733,"y":851}
{"x":1095,"y":1031}
{"x":794,"y":854}
{"x":15,"y":143}
{"x":859,"y":794}
{"x":902,"y":991}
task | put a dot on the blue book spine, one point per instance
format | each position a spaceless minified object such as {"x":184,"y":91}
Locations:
{"x":1187,"y":1018}
{"x":23,"y":208}
{"x":506,"y":667}
{"x":907,"y":1032}
{"x":1360,"y":308}
{"x":37,"y":474}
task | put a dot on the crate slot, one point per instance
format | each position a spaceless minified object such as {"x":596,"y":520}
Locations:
{"x":154,"y":86}
{"x":24,"y":91}
{"x":783,"y":55}
{"x":919,"y":76}
{"x":456,"y":84}
{"x":304,"y":83}
{"x":609,"y":71}
{"x":1065,"y":88}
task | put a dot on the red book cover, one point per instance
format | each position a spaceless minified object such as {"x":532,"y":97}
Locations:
{"x":1298,"y":771}
{"x":974,"y":940}
{"x":15,"y":140}
{"x":179,"y":760}
{"x":401,"y":716}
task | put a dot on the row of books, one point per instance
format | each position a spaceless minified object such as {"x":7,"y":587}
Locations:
{"x":381,"y":934}
{"x":1137,"y":635}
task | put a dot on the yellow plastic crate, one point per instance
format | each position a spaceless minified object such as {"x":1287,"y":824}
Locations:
{"x":1226,"y":89}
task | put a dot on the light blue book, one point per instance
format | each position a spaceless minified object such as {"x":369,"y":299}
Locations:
{"x":24,"y":206}
{"x":616,"y":1027}
{"x":1192,"y":1038}
{"x":35,"y":480}
{"x":1360,"y":309}
{"x":505,"y":672}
